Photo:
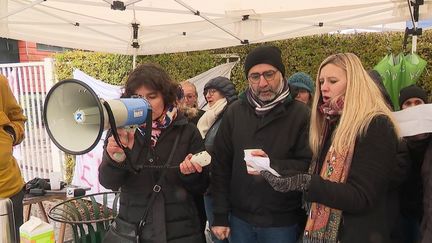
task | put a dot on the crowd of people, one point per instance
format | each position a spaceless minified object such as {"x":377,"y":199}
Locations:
{"x":345,"y":173}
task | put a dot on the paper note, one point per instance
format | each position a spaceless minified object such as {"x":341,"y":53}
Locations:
{"x":415,"y":120}
{"x":257,"y":163}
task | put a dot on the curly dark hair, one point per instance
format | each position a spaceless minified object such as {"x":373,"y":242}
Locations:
{"x":152,"y":76}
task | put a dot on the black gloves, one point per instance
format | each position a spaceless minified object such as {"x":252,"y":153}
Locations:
{"x":299,"y":182}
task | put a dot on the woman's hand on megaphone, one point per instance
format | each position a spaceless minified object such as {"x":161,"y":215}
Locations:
{"x":126,"y":138}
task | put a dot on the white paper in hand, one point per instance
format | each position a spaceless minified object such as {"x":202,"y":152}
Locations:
{"x":202,"y":158}
{"x":256,"y":163}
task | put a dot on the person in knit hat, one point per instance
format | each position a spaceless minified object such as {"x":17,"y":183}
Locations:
{"x":411,"y":96}
{"x":219,"y":93}
{"x":267,"y":121}
{"x":222,"y":85}
{"x":416,"y":191}
{"x":264,"y":55}
{"x":304,"y":86}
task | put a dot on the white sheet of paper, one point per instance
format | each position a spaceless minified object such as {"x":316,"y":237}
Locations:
{"x":415,"y":120}
{"x":260,"y":163}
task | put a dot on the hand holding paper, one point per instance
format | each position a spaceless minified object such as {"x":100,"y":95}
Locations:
{"x":255,"y":164}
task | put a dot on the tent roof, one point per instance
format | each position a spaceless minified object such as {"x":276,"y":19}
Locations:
{"x":167,"y":26}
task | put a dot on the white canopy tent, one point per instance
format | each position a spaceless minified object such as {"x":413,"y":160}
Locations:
{"x":165,"y":26}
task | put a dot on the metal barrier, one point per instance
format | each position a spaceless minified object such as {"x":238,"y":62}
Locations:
{"x":37,"y":155}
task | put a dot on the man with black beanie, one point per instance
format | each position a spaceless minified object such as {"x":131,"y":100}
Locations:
{"x":411,"y":96}
{"x":267,"y":120}
{"x":416,"y":191}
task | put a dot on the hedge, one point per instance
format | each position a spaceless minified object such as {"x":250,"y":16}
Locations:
{"x":299,"y":54}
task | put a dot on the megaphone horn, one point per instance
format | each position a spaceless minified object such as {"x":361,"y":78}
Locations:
{"x":75,"y":117}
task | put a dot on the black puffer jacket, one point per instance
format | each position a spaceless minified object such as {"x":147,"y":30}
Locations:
{"x":174,"y":216}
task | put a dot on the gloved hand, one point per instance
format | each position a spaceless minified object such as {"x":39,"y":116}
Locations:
{"x":299,"y":182}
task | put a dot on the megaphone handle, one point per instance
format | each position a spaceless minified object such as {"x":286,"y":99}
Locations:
{"x":120,"y":157}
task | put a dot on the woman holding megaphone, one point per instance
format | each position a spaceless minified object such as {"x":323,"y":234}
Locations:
{"x":156,"y":203}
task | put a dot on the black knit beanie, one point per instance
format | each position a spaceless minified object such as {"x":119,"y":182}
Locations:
{"x":412,"y":91}
{"x":264,"y":54}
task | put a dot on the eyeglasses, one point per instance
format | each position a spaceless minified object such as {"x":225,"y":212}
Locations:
{"x":256,"y":77}
{"x":210,"y":91}
{"x":190,"y":96}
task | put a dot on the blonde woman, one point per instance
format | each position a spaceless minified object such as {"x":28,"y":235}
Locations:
{"x":353,"y":138}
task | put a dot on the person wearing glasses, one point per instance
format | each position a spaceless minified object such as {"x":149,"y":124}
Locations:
{"x":266,"y":119}
{"x":189,"y":102}
{"x":219,"y":93}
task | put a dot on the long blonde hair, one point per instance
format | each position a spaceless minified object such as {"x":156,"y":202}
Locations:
{"x":363,"y":102}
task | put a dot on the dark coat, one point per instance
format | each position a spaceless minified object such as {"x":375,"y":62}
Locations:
{"x":423,"y":150}
{"x":282,"y":134}
{"x":364,"y":197}
{"x":174,"y":217}
{"x":402,"y":169}
{"x":411,"y":191}
{"x":194,"y":120}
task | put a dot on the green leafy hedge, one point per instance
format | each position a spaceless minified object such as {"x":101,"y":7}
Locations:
{"x":299,"y":54}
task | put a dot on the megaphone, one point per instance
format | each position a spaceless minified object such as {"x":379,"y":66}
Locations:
{"x":75,"y":117}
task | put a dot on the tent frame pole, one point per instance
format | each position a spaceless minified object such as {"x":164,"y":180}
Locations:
{"x":22,"y":9}
{"x":414,"y":31}
{"x":196,"y":12}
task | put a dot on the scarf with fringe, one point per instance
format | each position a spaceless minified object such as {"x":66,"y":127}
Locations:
{"x":323,"y":222}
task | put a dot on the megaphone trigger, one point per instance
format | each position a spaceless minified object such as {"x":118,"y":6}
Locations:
{"x":119,"y":157}
{"x":130,"y":130}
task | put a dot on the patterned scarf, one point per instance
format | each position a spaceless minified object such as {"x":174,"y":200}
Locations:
{"x":167,"y":117}
{"x":323,"y":222}
{"x":262,"y":108}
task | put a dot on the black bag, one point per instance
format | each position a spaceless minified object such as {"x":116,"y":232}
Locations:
{"x":121,"y":231}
